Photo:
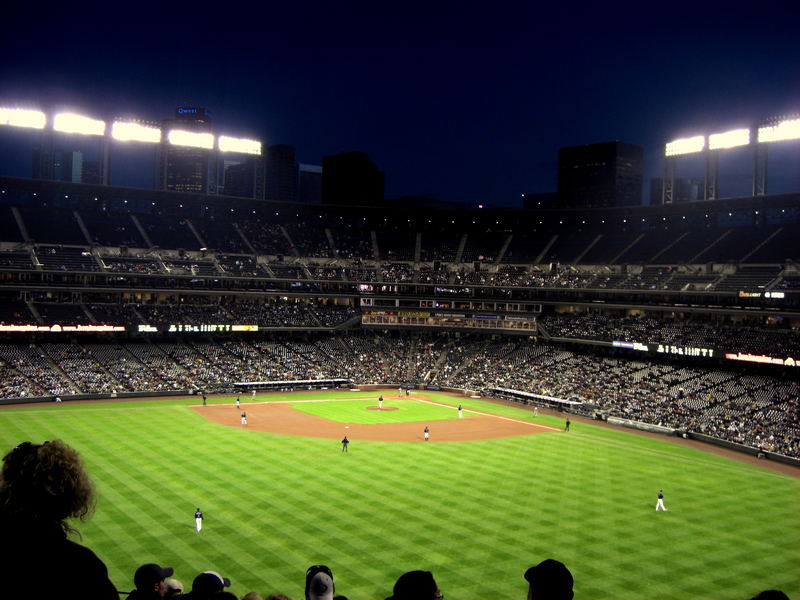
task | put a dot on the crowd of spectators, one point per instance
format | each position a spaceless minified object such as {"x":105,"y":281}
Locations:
{"x":733,"y":337}
{"x":757,"y":411}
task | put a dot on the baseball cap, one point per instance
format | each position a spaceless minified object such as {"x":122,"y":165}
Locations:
{"x":209,"y":582}
{"x":150,"y":574}
{"x":551,"y":577}
{"x":319,"y":583}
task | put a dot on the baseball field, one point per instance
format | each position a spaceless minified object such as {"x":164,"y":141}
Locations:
{"x":488,"y":496}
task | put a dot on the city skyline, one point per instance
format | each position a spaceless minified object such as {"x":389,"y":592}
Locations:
{"x":449,"y":100}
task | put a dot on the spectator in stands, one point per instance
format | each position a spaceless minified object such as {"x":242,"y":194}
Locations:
{"x":208,"y":584}
{"x":252,"y":596}
{"x":41,"y":486}
{"x":770,"y":595}
{"x":149,"y":582}
{"x":173,"y":588}
{"x":319,"y":583}
{"x":416,"y":585}
{"x":549,"y":580}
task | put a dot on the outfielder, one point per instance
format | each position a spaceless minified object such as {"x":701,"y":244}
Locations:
{"x":660,"y":503}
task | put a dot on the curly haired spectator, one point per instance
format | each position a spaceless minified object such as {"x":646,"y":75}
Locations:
{"x":42,"y":486}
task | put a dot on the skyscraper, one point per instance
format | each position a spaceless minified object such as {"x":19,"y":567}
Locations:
{"x":351,"y":178}
{"x":184,"y":168}
{"x":600,"y":175}
{"x":309,"y":188}
{"x":281,"y":173}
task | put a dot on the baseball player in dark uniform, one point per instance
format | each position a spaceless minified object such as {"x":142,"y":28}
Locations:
{"x":566,"y":425}
{"x":244,"y":418}
{"x":345,"y":441}
{"x":238,"y":405}
{"x":198,"y":520}
{"x":660,"y":502}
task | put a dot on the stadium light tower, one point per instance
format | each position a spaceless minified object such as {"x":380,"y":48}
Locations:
{"x":673,"y":149}
{"x":132,"y":131}
{"x":734,"y":138}
{"x":239,"y":145}
{"x":192,"y":139}
{"x":771,"y":129}
{"x":74,"y":123}
{"x":21,"y":117}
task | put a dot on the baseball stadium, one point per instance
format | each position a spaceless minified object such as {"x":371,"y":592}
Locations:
{"x":514,"y":385}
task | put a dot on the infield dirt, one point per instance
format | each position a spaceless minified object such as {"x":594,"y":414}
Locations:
{"x":280,"y":417}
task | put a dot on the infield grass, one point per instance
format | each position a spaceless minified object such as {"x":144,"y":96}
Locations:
{"x":476,"y":513}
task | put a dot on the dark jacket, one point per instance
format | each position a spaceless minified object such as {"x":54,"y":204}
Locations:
{"x":38,"y":561}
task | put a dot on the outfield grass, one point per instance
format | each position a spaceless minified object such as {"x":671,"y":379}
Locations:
{"x":475,"y":513}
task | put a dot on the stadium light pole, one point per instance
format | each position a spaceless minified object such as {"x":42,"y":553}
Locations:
{"x":717,"y":142}
{"x":247,"y":147}
{"x":672,"y":150}
{"x":131,"y":131}
{"x":771,"y":129}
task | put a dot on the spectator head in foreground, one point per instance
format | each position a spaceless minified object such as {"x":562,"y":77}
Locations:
{"x":319,"y":583}
{"x":172,"y":588}
{"x":45,"y":483}
{"x":149,"y":580}
{"x":208,"y":583}
{"x":771,"y":595}
{"x":416,"y":585}
{"x":41,"y":486}
{"x":549,"y":580}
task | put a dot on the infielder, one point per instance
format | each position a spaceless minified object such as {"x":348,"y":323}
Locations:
{"x":426,"y":432}
{"x":244,"y":418}
{"x":660,"y":503}
{"x":380,"y":402}
{"x":198,"y":520}
{"x":237,"y":402}
{"x":460,"y":412}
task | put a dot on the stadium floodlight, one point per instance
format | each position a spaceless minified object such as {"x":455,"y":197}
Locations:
{"x":21,"y":117}
{"x":126,"y":131}
{"x":72,"y":123}
{"x":729,"y":139}
{"x":686,"y":146}
{"x":240,"y":145}
{"x":785,"y":130}
{"x":193,"y":139}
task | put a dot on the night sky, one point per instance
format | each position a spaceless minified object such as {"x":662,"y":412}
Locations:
{"x":464,"y":101}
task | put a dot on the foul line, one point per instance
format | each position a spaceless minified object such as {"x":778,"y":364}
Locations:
{"x":491,"y":415}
